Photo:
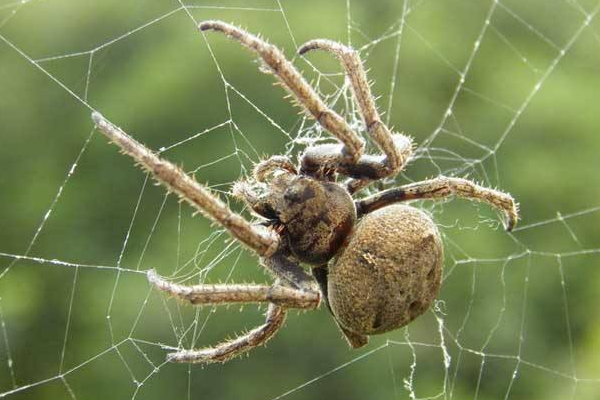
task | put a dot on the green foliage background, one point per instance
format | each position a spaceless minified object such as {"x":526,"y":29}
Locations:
{"x":523,"y":304}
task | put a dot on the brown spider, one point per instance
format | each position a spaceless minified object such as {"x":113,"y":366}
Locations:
{"x":376,"y":264}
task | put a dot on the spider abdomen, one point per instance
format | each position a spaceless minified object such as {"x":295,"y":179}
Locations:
{"x":389,"y":273}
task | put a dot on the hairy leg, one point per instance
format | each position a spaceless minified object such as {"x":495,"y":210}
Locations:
{"x":259,"y":239}
{"x":229,"y":349}
{"x":397,"y":148}
{"x":442,"y":187}
{"x":320,"y":159}
{"x":291,"y":79}
{"x":217,"y":294}
{"x":294,"y":288}
{"x":396,"y":156}
{"x":266,"y":168}
{"x":261,"y":198}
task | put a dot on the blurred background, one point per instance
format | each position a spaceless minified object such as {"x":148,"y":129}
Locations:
{"x":504,"y":93}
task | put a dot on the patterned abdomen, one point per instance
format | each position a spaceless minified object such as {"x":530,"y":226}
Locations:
{"x":389,"y":273}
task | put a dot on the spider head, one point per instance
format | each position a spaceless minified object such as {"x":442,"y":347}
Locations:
{"x":318,"y":217}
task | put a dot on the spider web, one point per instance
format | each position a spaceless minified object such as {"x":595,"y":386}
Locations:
{"x":502,"y":92}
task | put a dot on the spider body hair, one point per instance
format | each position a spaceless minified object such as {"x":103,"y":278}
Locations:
{"x":389,"y":273}
{"x":317,"y":216}
{"x":377,"y":273}
{"x":376,"y":264}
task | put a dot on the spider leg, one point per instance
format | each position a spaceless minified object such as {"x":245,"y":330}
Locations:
{"x":441,"y":187}
{"x":227,"y":350}
{"x":293,"y":81}
{"x":266,"y":168}
{"x":264,"y":202}
{"x":209,"y":294}
{"x":294,"y":288}
{"x":258,"y":238}
{"x":396,"y":149}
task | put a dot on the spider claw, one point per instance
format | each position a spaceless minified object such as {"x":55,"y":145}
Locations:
{"x":210,"y":24}
{"x":310,"y":45}
{"x":511,"y":219}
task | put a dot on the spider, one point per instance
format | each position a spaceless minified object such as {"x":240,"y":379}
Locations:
{"x":376,"y":264}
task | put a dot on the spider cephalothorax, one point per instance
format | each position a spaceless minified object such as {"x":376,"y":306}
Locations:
{"x":376,"y":264}
{"x":316,"y":215}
